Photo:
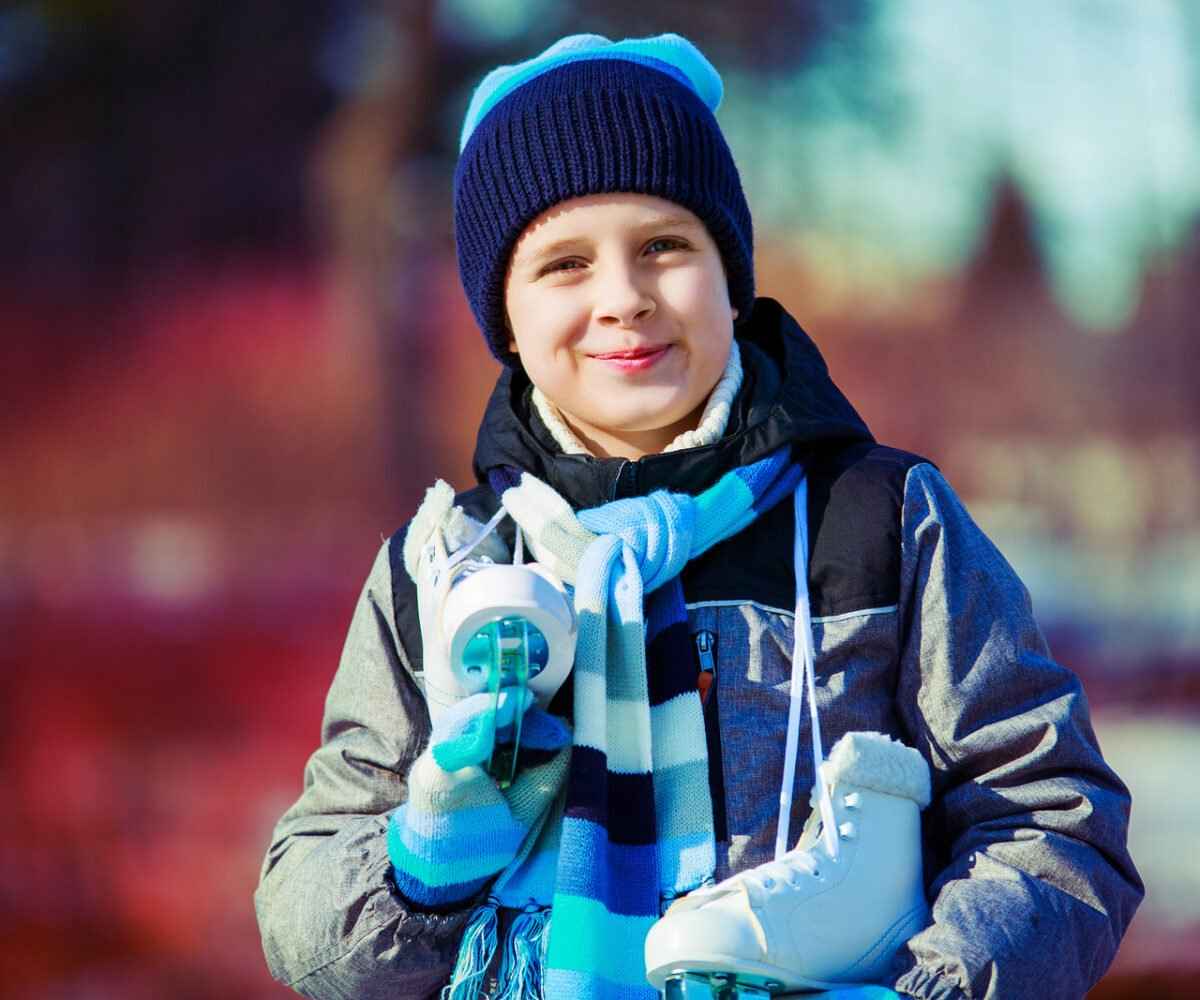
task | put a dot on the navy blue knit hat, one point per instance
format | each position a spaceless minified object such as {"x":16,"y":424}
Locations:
{"x":589,"y":116}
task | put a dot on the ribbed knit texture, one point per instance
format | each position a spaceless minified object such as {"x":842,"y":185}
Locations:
{"x":608,"y":122}
{"x":712,"y":423}
{"x":671,"y":53}
{"x":457,"y":830}
{"x":638,"y":821}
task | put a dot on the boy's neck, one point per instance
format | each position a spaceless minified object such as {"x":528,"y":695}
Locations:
{"x":631,"y":444}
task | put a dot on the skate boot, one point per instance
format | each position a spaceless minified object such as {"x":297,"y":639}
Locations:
{"x":486,"y":625}
{"x":832,"y":911}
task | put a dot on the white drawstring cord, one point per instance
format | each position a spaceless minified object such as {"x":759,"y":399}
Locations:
{"x":803,"y":651}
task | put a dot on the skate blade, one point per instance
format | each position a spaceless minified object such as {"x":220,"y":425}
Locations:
{"x":717,"y":986}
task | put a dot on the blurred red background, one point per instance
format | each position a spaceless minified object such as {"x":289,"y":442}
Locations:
{"x":235,"y":352}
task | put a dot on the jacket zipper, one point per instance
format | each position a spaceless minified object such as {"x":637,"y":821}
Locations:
{"x":708,"y":664}
{"x":706,"y":647}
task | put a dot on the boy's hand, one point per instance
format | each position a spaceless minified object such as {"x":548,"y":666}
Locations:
{"x":458,"y":829}
{"x":465,"y":733}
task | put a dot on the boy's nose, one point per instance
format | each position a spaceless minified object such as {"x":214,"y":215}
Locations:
{"x":621,"y":301}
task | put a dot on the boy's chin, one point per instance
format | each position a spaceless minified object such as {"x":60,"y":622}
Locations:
{"x":642,"y":419}
{"x":637,"y":423}
{"x":644,"y":414}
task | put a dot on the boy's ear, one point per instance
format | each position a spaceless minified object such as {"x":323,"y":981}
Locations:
{"x":512,"y":340}
{"x":734,"y":310}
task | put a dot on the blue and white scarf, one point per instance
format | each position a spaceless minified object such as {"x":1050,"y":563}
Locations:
{"x":635,"y":824}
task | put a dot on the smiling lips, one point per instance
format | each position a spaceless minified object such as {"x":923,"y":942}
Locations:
{"x":635,"y":360}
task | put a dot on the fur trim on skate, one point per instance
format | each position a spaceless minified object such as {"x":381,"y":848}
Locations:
{"x":877,"y":762}
{"x":458,"y":528}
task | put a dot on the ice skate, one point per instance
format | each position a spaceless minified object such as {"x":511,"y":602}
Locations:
{"x":487,"y":625}
{"x":831,"y":912}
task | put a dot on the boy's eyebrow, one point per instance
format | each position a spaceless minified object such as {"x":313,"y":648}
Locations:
{"x":549,"y":250}
{"x":664,"y":221}
{"x":561,"y":246}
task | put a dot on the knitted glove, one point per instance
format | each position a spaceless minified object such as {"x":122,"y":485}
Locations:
{"x":458,"y":829}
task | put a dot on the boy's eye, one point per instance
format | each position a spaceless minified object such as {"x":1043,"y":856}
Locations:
{"x":570,"y":264}
{"x":663,"y":243}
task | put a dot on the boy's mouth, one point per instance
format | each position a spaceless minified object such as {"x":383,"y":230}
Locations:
{"x":635,"y":359}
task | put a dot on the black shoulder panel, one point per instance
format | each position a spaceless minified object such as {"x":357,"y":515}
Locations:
{"x":854,"y":506}
{"x":404,"y":600}
{"x":854,"y":500}
{"x":481,"y":503}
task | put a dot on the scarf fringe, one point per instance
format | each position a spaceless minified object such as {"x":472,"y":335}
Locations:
{"x":474,"y":955}
{"x":525,"y":957}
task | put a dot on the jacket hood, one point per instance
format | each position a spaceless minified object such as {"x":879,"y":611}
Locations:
{"x":786,"y":397}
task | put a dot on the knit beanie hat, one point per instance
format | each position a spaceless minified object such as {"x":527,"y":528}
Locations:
{"x":589,"y":116}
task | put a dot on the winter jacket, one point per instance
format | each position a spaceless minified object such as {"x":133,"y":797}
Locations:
{"x":922,"y":630}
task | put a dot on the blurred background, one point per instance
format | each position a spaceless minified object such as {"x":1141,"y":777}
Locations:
{"x":234,"y":352}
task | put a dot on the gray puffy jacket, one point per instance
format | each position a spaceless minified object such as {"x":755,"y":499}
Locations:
{"x":922,"y":631}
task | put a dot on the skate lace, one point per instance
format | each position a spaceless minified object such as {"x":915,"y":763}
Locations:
{"x":784,"y":869}
{"x":804,"y":682}
{"x":447,"y":563}
{"x":447,"y":568}
{"x":802,"y":861}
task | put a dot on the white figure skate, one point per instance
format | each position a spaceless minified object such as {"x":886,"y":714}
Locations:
{"x":824,"y":914}
{"x":833,"y":910}
{"x":486,"y":625}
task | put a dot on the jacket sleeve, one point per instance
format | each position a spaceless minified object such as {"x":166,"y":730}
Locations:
{"x":1029,"y":878}
{"x":333,"y":924}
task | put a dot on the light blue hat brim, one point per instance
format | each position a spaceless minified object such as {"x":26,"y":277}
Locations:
{"x":669,"y":53}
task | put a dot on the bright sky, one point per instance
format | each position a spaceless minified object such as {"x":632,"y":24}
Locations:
{"x":1091,"y":105}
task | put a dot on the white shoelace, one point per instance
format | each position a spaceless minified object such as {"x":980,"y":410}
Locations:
{"x":804,"y":653}
{"x":801,"y":861}
{"x":449,"y":562}
{"x":784,"y":869}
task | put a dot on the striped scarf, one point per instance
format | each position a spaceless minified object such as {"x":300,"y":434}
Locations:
{"x":636,"y":824}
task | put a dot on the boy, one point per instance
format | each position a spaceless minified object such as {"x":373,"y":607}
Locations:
{"x":606,"y":250}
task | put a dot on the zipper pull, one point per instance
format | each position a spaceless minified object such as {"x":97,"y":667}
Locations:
{"x":705,"y":645}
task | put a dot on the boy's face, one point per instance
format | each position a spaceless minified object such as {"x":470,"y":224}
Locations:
{"x":620,"y":313}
